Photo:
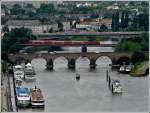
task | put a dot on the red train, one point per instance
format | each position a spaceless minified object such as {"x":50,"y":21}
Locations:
{"x":62,"y":43}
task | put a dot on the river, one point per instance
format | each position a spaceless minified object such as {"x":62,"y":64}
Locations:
{"x":63,"y":93}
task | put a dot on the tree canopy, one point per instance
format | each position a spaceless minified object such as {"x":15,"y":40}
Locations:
{"x":11,"y":40}
{"x":46,"y":9}
{"x":134,"y":45}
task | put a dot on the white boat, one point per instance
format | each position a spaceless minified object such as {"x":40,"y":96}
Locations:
{"x":116,"y":86}
{"x":37,"y":99}
{"x":19,"y":74}
{"x":18,"y":71}
{"x":122,"y":69}
{"x":29,"y":71}
{"x":23,"y":96}
{"x":18,"y":68}
{"x":125,"y":68}
{"x":129,"y":68}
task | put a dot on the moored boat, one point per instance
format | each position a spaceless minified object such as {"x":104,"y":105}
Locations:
{"x":37,"y":99}
{"x":18,"y":82}
{"x":29,"y":71}
{"x":116,"y":86}
{"x":18,"y":71}
{"x":125,"y":68}
{"x":23,"y":96}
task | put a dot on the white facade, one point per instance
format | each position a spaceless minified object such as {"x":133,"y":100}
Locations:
{"x":66,"y":26}
{"x":38,"y":28}
{"x":83,"y":26}
{"x":34,"y":25}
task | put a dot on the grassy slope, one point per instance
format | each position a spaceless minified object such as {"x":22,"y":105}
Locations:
{"x":139,"y":68}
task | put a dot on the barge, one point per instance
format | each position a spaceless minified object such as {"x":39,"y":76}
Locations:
{"x":37,"y":99}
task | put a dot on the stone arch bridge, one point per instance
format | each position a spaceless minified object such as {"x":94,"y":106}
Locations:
{"x":116,"y":58}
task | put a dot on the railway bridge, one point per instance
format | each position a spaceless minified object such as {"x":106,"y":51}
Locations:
{"x":116,"y":58}
{"x":109,"y":34}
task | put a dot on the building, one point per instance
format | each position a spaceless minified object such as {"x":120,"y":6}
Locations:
{"x":94,"y":25}
{"x":66,"y":26}
{"x":3,"y":13}
{"x":106,"y":21}
{"x":35,"y":4}
{"x":34,"y":25}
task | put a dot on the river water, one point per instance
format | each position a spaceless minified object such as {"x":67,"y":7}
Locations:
{"x":63,"y":93}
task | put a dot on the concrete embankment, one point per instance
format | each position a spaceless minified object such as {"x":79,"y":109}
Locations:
{"x":13,"y":95}
{"x":6,"y":104}
{"x":7,"y":94}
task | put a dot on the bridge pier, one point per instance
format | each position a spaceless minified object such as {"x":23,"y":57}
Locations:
{"x":92,"y":63}
{"x":84,"y":49}
{"x":71,"y":64}
{"x":49,"y":64}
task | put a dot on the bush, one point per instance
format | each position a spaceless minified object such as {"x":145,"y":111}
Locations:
{"x":138,"y":57}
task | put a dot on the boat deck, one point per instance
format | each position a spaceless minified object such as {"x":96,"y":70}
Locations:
{"x":36,"y":95}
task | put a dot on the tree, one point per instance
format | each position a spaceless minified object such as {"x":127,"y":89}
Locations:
{"x":17,"y":10}
{"x":103,"y":28}
{"x":135,"y":23}
{"x":143,"y":20}
{"x":11,"y":40}
{"x":5,"y":29}
{"x":122,"y":25}
{"x":31,"y":13}
{"x":50,"y":30}
{"x":43,"y":20}
{"x":30,"y":10}
{"x":4,"y":67}
{"x":115,"y":21}
{"x":137,"y":57}
{"x":93,"y":16}
{"x":5,"y":8}
{"x":30,"y":6}
{"x":60,"y":26}
{"x":144,"y":41}
{"x":144,"y":3}
{"x":126,"y":19}
{"x":46,"y":8}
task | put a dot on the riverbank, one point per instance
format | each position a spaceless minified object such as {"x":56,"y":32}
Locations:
{"x":6,"y":94}
{"x":140,"y":69}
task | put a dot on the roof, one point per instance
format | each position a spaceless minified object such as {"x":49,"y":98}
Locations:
{"x":105,"y":21}
{"x":28,"y":64}
{"x":23,"y":22}
{"x":18,"y":66}
{"x":36,"y":94}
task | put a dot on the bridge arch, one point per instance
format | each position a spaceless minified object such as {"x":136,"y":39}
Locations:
{"x":39,"y":60}
{"x":60,"y":61}
{"x":103,"y":60}
{"x":122,"y":59}
{"x":82,"y":61}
